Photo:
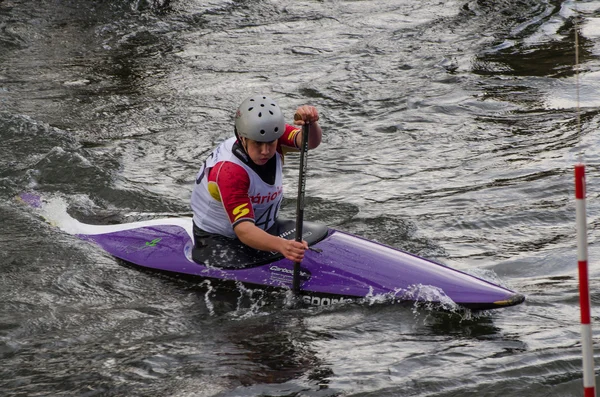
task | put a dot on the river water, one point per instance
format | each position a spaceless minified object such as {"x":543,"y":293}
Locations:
{"x":450,"y":130}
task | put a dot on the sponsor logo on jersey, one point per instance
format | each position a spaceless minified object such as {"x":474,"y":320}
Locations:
{"x":266,"y":198}
{"x":240,"y":211}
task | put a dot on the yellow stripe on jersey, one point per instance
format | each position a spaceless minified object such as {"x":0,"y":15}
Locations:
{"x":213,"y":189}
{"x":293,"y":134}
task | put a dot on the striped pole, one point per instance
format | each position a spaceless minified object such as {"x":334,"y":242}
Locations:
{"x":589,"y":380}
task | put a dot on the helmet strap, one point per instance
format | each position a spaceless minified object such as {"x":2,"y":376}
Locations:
{"x":242,"y":140}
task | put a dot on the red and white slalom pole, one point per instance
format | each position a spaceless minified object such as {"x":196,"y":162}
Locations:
{"x":589,"y":379}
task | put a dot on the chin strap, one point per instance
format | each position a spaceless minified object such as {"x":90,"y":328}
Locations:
{"x":239,"y":138}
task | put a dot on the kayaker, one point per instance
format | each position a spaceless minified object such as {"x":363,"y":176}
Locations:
{"x":239,"y":188}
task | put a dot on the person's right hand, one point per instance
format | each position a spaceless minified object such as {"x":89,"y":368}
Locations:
{"x":293,"y":250}
{"x":306,"y":114}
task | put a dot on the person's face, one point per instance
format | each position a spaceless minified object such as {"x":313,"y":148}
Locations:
{"x":260,"y":152}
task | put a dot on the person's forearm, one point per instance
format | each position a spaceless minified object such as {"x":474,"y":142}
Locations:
{"x":315,"y":135}
{"x":255,"y":237}
{"x":308,"y":114}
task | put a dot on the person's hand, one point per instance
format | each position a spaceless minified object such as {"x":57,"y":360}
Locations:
{"x":293,"y":250}
{"x":306,"y":114}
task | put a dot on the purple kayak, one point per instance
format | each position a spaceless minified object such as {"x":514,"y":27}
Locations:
{"x":338,"y":267}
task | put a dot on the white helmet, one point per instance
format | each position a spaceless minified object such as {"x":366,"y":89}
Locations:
{"x":260,"y":119}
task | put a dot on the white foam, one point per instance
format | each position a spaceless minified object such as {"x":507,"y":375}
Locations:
{"x":76,"y":83}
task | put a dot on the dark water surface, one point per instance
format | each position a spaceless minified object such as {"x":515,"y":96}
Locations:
{"x":450,"y":131}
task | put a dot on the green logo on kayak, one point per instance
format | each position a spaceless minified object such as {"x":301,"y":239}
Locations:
{"x":153,"y":242}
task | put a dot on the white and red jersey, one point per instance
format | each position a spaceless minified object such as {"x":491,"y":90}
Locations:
{"x":231,"y":189}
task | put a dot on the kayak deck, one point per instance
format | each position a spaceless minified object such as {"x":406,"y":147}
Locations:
{"x":338,"y":266}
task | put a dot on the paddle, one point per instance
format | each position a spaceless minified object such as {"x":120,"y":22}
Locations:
{"x":300,"y":204}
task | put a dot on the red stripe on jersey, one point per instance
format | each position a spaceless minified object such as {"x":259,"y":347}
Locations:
{"x":234,"y":183}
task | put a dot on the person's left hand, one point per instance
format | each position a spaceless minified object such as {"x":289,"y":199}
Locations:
{"x":306,"y":114}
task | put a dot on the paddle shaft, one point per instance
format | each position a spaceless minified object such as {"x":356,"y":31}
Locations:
{"x":300,"y":203}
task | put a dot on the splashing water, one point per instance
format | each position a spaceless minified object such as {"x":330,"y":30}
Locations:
{"x":256,"y":299}
{"x":429,"y":296}
{"x":209,"y":289}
